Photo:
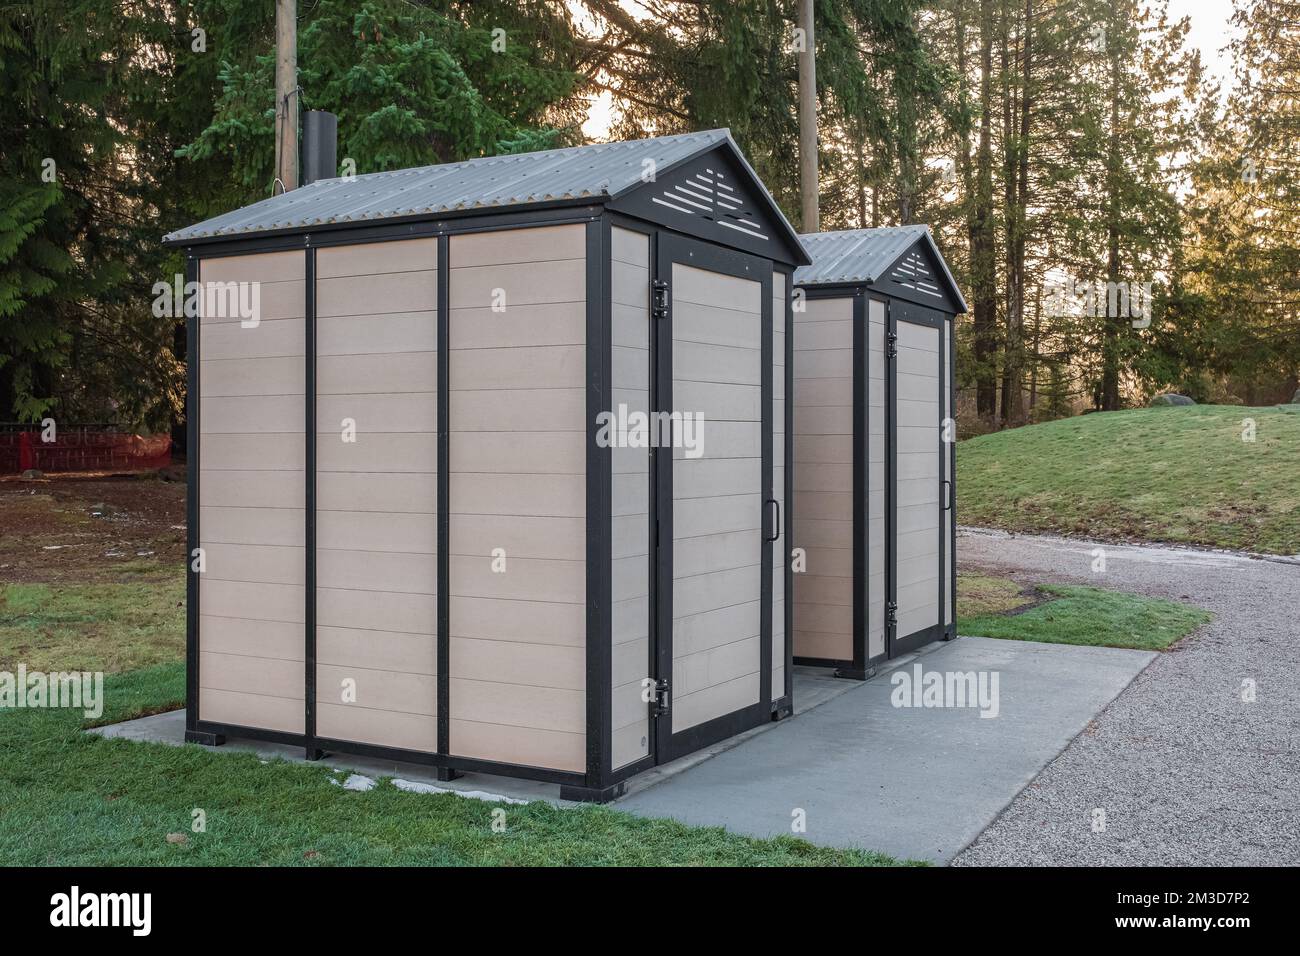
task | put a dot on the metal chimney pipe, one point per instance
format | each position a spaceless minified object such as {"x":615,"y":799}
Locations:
{"x":320,"y":146}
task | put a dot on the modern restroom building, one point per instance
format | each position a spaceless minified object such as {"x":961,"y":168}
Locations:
{"x":873,"y":442}
{"x":439,"y":510}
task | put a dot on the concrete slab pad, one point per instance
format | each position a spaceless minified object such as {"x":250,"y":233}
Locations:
{"x":169,"y":728}
{"x":812,"y":688}
{"x":919,"y":783}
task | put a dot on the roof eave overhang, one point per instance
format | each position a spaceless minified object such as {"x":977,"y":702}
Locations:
{"x":396,"y":223}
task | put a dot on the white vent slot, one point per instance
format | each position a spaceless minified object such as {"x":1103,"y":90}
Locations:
{"x":707,"y":194}
{"x":912,"y":273}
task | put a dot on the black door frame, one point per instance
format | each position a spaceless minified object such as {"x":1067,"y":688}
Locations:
{"x":672,"y":248}
{"x":900,"y":311}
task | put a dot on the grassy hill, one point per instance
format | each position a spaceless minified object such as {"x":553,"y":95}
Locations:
{"x":1162,"y":474}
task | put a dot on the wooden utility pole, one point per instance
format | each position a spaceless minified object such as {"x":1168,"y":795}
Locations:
{"x":286,"y":93}
{"x":808,"y":120}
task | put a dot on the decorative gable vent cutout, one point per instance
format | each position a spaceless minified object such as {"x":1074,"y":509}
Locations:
{"x":912,"y":273}
{"x":706,"y":193}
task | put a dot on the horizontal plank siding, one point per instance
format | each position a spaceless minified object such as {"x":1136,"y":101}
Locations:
{"x":717,"y":497}
{"x":823,"y":479}
{"x":517,"y":487}
{"x":252,"y":491}
{"x":376,"y":495}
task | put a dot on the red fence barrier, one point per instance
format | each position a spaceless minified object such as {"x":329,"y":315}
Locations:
{"x":80,"y":448}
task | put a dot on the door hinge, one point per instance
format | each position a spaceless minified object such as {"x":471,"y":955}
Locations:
{"x":659,"y":299}
{"x":891,"y":345}
{"x":660,"y":707}
{"x":891,"y":614}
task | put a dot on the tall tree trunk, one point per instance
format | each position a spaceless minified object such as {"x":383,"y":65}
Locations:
{"x":1111,"y":323}
{"x":286,"y":93}
{"x":1013,"y":397}
{"x":983,"y":266}
{"x":808,"y":121}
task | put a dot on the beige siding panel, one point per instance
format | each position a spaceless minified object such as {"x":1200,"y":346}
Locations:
{"x":250,"y":414}
{"x":372,"y":294}
{"x":406,"y":453}
{"x":876,"y":328}
{"x":256,"y":564}
{"x":232,"y":635}
{"x":277,"y":375}
{"x":256,"y":601}
{"x":823,"y":478}
{"x":377,"y":570}
{"x":517,"y":411}
{"x":717,"y":322}
{"x":252,"y":710}
{"x":384,"y":334}
{"x":392,"y":492}
{"x":919,"y":469}
{"x":521,"y":283}
{"x":262,"y":267}
{"x":384,"y":690}
{"x":405,"y":534}
{"x":379,"y":373}
{"x":386,"y":728}
{"x":630,"y":497}
{"x":247,"y":453}
{"x":524,"y":246}
{"x":537,"y":325}
{"x":377,"y":258}
{"x":252,"y":493}
{"x":250,"y":489}
{"x":351,"y":647}
{"x":526,"y":746}
{"x":220,"y":342}
{"x":377,"y":610}
{"x":716,"y":701}
{"x":512,"y":662}
{"x":263,"y":676}
{"x":487,"y":454}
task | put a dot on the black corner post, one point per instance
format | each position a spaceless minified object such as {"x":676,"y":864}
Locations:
{"x":597,"y":787}
{"x":857,"y":668}
{"x":444,"y":772}
{"x":309,"y":536}
{"x":192,"y":733}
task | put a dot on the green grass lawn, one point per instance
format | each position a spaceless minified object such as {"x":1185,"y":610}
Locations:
{"x":1163,"y":474}
{"x":1061,"y":614}
{"x":69,"y":798}
{"x":92,"y":627}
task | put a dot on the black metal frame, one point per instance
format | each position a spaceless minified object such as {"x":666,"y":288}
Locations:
{"x":783,"y":706}
{"x":671,"y":248}
{"x":950,"y":331}
{"x":599,"y":781}
{"x":859,"y":666}
{"x":914,"y":314}
{"x":863,"y":664}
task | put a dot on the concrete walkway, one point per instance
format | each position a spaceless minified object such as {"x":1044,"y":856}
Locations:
{"x":916,"y":782}
{"x":1197,"y":763}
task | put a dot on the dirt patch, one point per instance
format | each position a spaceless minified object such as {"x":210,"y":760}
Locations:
{"x":80,"y":529}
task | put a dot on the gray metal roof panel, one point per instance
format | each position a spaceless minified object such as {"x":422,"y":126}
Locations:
{"x":597,"y":172}
{"x":863,"y":256}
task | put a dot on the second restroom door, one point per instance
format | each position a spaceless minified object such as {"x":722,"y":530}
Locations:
{"x":714,"y":498}
{"x":916,"y":480}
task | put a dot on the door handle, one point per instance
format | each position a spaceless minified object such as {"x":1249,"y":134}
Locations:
{"x":947,"y":494}
{"x":776,"y":533}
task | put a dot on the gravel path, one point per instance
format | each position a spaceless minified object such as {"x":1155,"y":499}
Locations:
{"x":1186,"y":771}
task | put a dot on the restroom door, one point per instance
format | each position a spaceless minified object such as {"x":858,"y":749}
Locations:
{"x":913,"y":613}
{"x":716,"y":512}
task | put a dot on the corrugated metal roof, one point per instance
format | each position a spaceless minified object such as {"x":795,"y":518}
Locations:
{"x":864,"y":255}
{"x":597,"y":172}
